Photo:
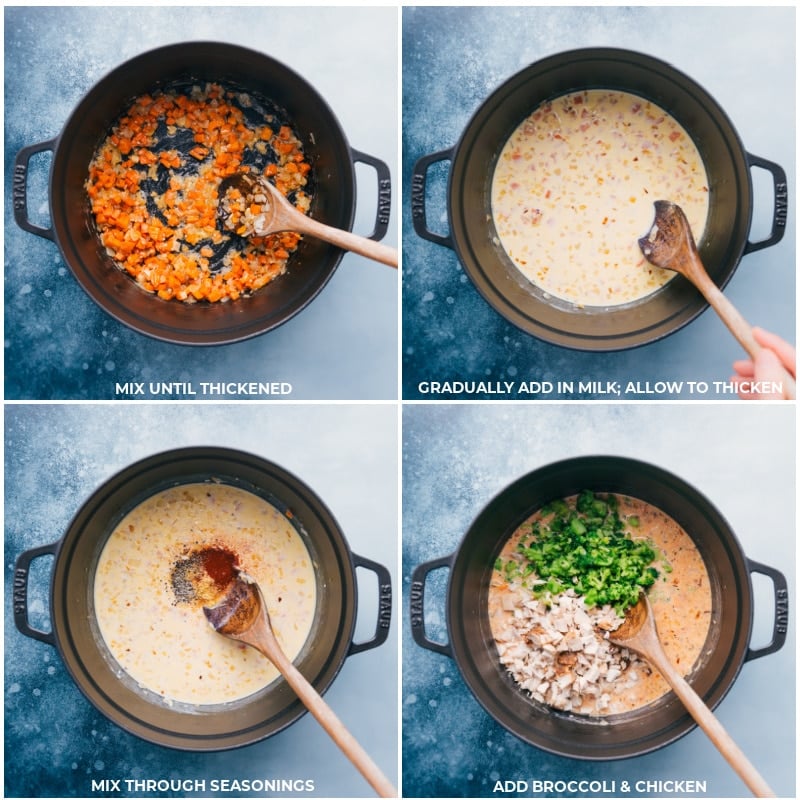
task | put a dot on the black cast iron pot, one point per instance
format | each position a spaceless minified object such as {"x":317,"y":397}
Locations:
{"x":473,"y":237}
{"x":182,"y":726}
{"x":310,"y":267}
{"x":471,"y":645}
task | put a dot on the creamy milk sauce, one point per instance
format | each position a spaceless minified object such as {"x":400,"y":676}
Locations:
{"x":165,"y":643}
{"x":681,"y":602}
{"x":573,"y":191}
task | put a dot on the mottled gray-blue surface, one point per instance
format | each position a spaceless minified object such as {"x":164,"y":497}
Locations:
{"x":58,"y":343}
{"x":56,"y":456}
{"x":454,"y":58}
{"x":456,"y":458}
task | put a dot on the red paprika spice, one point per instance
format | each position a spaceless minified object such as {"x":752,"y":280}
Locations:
{"x":220,"y":564}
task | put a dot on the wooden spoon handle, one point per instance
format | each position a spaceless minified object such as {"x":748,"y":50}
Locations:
{"x":335,"y":728}
{"x":713,"y":728}
{"x":728,"y":313}
{"x":350,"y":241}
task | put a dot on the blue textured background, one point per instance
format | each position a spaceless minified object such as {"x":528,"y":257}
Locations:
{"x":456,"y":458}
{"x":57,"y":455}
{"x":58,"y":343}
{"x":454,"y":58}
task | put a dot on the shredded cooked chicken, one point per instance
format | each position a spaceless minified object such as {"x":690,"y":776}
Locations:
{"x":555,"y":650}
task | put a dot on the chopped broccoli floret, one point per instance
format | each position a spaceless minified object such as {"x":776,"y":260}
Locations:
{"x":586,"y":547}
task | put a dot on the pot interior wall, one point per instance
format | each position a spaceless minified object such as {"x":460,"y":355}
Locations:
{"x":571,"y":734}
{"x":200,"y":727}
{"x":310,"y":267}
{"x":500,"y":281}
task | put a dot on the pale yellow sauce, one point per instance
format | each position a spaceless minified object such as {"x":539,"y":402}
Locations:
{"x":681,"y":602}
{"x":573,"y":192}
{"x":167,"y":646}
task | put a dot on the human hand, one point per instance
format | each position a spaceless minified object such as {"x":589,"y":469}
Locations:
{"x":771,"y":375}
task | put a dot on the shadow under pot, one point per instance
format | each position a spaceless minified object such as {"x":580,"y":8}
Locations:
{"x":473,"y":235}
{"x":74,"y":629}
{"x":295,"y":101}
{"x":471,"y":642}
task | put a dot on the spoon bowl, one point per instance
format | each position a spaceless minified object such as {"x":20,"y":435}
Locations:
{"x":241,"y":614}
{"x":670,"y":245}
{"x":277,"y":214}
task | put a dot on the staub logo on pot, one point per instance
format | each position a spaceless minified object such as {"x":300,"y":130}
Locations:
{"x":384,"y":201}
{"x":385,"y":613}
{"x":418,"y":196}
{"x":20,"y":591}
{"x":416,"y":603}
{"x":781,"y":611}
{"x":781,"y":204}
{"x":19,"y":181}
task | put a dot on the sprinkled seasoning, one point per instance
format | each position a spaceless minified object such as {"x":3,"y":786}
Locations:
{"x":204,"y":575}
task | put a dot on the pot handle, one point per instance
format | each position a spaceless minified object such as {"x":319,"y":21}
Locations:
{"x":419,"y":180}
{"x":781,"y":619}
{"x":384,"y":605}
{"x":384,"y":193}
{"x":418,"y":578}
{"x":781,"y":203}
{"x":21,"y":574}
{"x":20,"y":188}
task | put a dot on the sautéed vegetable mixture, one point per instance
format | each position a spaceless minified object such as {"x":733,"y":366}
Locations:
{"x":153,"y":191}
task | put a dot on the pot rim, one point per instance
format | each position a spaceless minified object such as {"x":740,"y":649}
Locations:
{"x":483,"y":281}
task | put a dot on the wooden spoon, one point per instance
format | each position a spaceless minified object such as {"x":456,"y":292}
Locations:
{"x":670,"y":245}
{"x":241,"y":614}
{"x":638,"y":633}
{"x":280,"y":215}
